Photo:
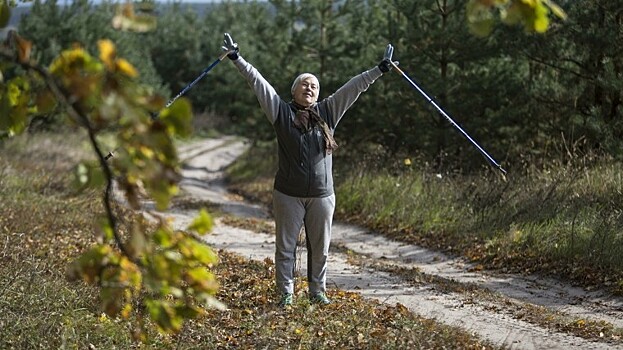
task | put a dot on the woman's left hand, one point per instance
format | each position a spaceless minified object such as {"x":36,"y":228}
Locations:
{"x":386,"y":64}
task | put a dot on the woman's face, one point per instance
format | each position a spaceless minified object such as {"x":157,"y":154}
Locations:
{"x":306,"y":92}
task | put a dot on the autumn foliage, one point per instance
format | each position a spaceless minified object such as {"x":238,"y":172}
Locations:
{"x":152,"y":267}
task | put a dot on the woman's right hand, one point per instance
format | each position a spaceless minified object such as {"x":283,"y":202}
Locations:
{"x":230,"y":47}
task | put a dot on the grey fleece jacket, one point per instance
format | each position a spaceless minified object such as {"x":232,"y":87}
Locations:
{"x":305,"y":170}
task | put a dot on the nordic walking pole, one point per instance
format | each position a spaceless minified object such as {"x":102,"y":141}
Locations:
{"x":203,"y":74}
{"x":491,"y":160}
{"x":184,"y":90}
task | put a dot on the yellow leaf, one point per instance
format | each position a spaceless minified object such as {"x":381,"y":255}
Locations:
{"x":127,"y":310}
{"x":147,"y":152}
{"x":541,"y":24}
{"x":108,"y":53}
{"x":104,"y":318}
{"x":69,"y":60}
{"x":126,"y":68}
{"x":539,"y":16}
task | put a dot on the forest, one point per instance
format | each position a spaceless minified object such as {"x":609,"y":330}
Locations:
{"x":541,"y":90}
{"x":527,"y":98}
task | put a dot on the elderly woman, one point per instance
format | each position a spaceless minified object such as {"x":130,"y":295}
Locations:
{"x":303,"y":188}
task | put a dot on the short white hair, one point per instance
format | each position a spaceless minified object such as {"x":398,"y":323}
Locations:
{"x":301,"y":77}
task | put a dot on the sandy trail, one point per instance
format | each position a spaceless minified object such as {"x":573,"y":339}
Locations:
{"x":203,"y":179}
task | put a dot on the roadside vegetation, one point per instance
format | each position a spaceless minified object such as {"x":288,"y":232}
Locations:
{"x":45,"y":224}
{"x":564,"y":221}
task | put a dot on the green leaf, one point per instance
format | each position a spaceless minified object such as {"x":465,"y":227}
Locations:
{"x":203,"y":223}
{"x":107,"y":229}
{"x":163,"y":238}
{"x":203,"y":253}
{"x":160,"y":265}
{"x":187,"y":312}
{"x":174,"y":256}
{"x":165,"y":316}
{"x":168,"y":290}
{"x":203,"y":280}
{"x":199,"y":274}
{"x":178,"y":118}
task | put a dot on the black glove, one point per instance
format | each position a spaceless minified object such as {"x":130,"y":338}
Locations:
{"x":230,"y":47}
{"x":386,"y":64}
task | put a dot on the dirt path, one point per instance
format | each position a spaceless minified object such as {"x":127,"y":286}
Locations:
{"x":492,"y":319}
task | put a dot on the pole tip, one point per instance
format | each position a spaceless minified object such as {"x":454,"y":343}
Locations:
{"x":503,"y":174}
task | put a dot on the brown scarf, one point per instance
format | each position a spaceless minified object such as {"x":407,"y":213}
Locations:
{"x":302,"y":122}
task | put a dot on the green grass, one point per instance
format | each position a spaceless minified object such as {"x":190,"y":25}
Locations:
{"x":45,"y":224}
{"x":566,"y":220}
{"x":563,"y":221}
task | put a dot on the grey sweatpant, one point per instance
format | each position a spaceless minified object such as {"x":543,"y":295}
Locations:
{"x":291,"y":213}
